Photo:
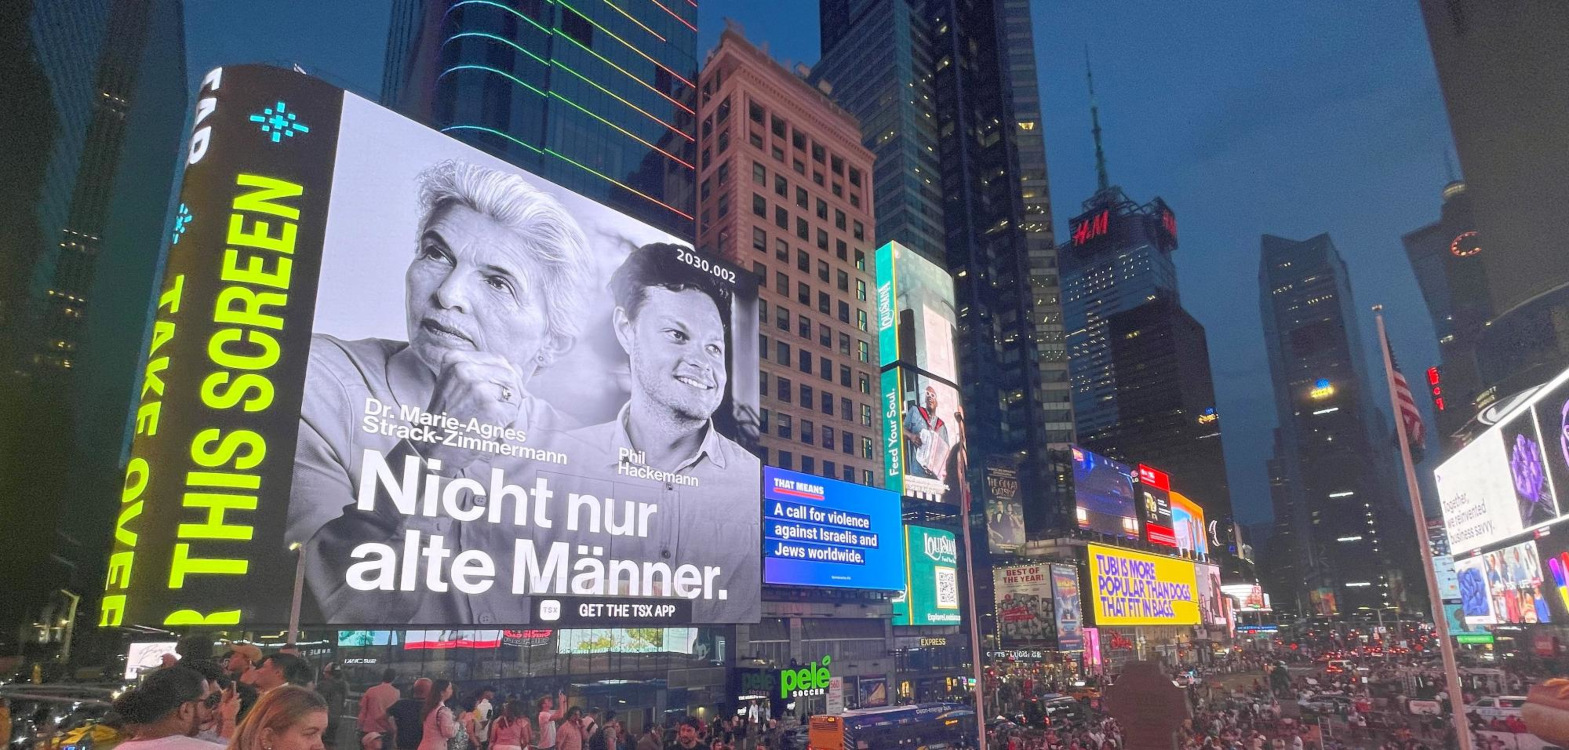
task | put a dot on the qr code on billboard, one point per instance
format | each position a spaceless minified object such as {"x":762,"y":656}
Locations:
{"x":947,"y":588}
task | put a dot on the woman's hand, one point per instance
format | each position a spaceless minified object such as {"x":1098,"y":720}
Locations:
{"x":473,"y":385}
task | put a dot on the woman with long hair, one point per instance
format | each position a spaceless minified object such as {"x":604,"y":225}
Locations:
{"x":288,"y":717}
{"x":436,"y":718}
{"x":511,"y":730}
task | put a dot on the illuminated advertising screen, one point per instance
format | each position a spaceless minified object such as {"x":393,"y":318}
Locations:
{"x":348,"y":638}
{"x":1024,"y":599}
{"x":1133,"y":588}
{"x":824,"y":532}
{"x":1187,"y":525}
{"x":1103,"y":495}
{"x":1154,"y":490}
{"x":1212,"y":597}
{"x":1510,"y":478}
{"x":1444,"y":573}
{"x":145,"y":657}
{"x":427,"y":640}
{"x":465,"y":394}
{"x":628,"y":641}
{"x":924,"y":451}
{"x":1004,"y":507}
{"x":932,"y":570}
{"x":1068,"y":607}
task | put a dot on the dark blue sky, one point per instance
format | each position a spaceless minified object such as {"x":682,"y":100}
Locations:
{"x":1282,"y":118}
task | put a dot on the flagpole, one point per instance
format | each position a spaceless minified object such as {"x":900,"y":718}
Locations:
{"x":1441,"y":623}
{"x":975,"y":621}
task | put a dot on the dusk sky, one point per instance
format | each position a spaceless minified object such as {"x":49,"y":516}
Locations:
{"x":1283,"y":118}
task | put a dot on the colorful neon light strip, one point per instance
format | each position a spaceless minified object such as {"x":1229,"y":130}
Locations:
{"x":602,"y":58}
{"x":640,"y":24}
{"x":626,"y":132}
{"x":590,"y":170}
{"x":629,"y":45}
{"x":489,"y":69}
{"x":673,"y":15}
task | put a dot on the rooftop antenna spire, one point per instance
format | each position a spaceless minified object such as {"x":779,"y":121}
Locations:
{"x":1449,"y":165}
{"x":1100,"y":154}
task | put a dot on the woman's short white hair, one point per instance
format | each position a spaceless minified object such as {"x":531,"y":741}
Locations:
{"x":551,"y":234}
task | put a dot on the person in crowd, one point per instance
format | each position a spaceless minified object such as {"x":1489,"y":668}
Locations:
{"x":405,"y":718}
{"x":687,"y":734}
{"x":240,"y":660}
{"x":548,"y":716}
{"x":468,"y":726}
{"x":607,"y":736}
{"x":288,"y":717}
{"x":493,"y":293}
{"x":484,"y":714}
{"x":376,"y":700}
{"x":511,"y":730}
{"x":168,"y":709}
{"x":591,"y":721}
{"x":437,"y":724}
{"x":332,"y":689}
{"x":281,"y":669}
{"x":651,"y":739}
{"x":569,"y":733}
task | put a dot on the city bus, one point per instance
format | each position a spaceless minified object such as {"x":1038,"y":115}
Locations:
{"x":928,"y":726}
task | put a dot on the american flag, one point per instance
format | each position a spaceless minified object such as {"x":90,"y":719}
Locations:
{"x":1416,"y":434}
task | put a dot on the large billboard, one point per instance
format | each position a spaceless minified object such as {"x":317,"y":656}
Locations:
{"x":1024,"y":600}
{"x":465,"y":395}
{"x":1509,"y":479}
{"x":1444,"y":573}
{"x":1155,"y":501}
{"x":1187,"y":524}
{"x":824,"y":532}
{"x":1068,"y":607}
{"x":1213,"y":612}
{"x":1133,"y":588}
{"x":931,"y":595}
{"x":924,"y":453}
{"x":1004,"y":506}
{"x":1103,"y":495}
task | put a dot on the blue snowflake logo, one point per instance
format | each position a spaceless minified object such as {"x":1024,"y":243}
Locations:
{"x":181,"y":219}
{"x":279,"y":122}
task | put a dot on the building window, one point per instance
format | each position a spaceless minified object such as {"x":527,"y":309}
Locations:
{"x":822,"y":271}
{"x":781,"y":283}
{"x":764,"y":420}
{"x":844,"y":375}
{"x":724,"y":207}
{"x":866,"y":414}
{"x":849,"y":474}
{"x":848,"y":444}
{"x":863,"y":351}
{"x":843,"y":281}
{"x":855,"y":177}
{"x":798,"y":140}
{"x":860,"y":320}
{"x":757,"y":142}
{"x":777,"y":124}
{"x":778,"y":153}
{"x":808,"y":432}
{"x":803,"y":261}
{"x":803,"y":327}
{"x":859,"y":232}
{"x":809,"y":464}
{"x":828,"y":403}
{"x":755,"y":112}
{"x":762,"y":343}
{"x":830,"y":469}
{"x":781,"y":187}
{"x":864,"y":384}
{"x":801,"y":230}
{"x":846,"y":410}
{"x":806,"y":395}
{"x":825,"y":369}
{"x":866,"y":448}
{"x":784,"y":390}
{"x":844,"y":311}
{"x":781,"y":218}
{"x":822,"y":239}
{"x":840,"y":248}
{"x":798,"y":165}
{"x":844,"y":344}
{"x":822,"y":209}
{"x":782,"y":353}
{"x":825,"y":336}
{"x":804,"y":361}
{"x":855,"y":200}
{"x":786,"y":460}
{"x":782,"y":250}
{"x":828,"y":437}
{"x":838,"y":215}
{"x":762,"y":383}
{"x":803,"y":293}
{"x":724,"y":141}
{"x":759,"y":237}
{"x":866,"y":476}
{"x":819,"y":153}
{"x":759,"y":206}
{"x":817,"y":177}
{"x":760,"y":175}
{"x":822,"y":303}
{"x":860,"y":290}
{"x":577,"y":27}
{"x":860,"y":260}
{"x":782,"y":319}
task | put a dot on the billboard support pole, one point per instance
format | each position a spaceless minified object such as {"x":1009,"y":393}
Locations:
{"x":299,"y":590}
{"x":1441,"y":625}
{"x":975,"y":623}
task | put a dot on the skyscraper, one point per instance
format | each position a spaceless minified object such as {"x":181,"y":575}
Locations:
{"x":97,"y":109}
{"x":996,"y":236}
{"x":786,"y":191}
{"x":1351,"y":534}
{"x":1445,"y":256}
{"x":1509,"y":130}
{"x":597,"y":97}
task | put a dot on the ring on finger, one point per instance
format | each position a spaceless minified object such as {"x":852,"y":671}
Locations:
{"x":506,"y":392}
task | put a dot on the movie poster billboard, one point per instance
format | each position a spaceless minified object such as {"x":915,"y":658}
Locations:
{"x":932,"y":571}
{"x":824,"y":532}
{"x":1004,"y":506}
{"x":1475,"y":601}
{"x":1068,"y":607}
{"x":1212,"y":598}
{"x":1511,"y":478}
{"x":925,"y":454}
{"x":1024,"y":605}
{"x":1187,"y":524}
{"x":1103,"y":495}
{"x":1134,"y":588}
{"x":464,"y":394}
{"x":1155,"y":501}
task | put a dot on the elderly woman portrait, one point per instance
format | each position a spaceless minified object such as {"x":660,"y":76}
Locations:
{"x":495,"y":284}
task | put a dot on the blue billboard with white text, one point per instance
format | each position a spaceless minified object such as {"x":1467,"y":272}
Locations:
{"x":824,"y":532}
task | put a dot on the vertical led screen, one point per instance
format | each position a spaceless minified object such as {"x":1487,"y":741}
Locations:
{"x":1024,"y":605}
{"x":1068,"y":605}
{"x":932,"y":572}
{"x":1103,"y":495}
{"x":463,"y":394}
{"x":1155,"y":502}
{"x":1511,"y":478}
{"x":1212,"y":599}
{"x":1187,"y":525}
{"x":925,"y":453}
{"x":824,"y":532}
{"x":1004,"y":508}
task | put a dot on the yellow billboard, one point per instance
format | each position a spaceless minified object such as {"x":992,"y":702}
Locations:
{"x":1133,"y":588}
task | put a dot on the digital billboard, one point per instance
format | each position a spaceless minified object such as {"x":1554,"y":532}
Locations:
{"x":1133,"y":588}
{"x":924,"y":453}
{"x":1213,"y":612}
{"x":1187,"y":524}
{"x":1024,"y":600}
{"x":1249,"y":597}
{"x":1444,"y":573}
{"x":1510,"y":478}
{"x":932,"y":571}
{"x":1004,"y":507}
{"x":463,"y":393}
{"x":145,"y":657}
{"x":824,"y":532}
{"x":1068,"y":607}
{"x":1103,"y":495}
{"x":1155,"y":501}
{"x":429,"y":640}
{"x":628,"y":641}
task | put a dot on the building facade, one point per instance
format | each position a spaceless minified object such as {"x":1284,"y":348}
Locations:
{"x":1351,"y":534}
{"x":598,"y":98}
